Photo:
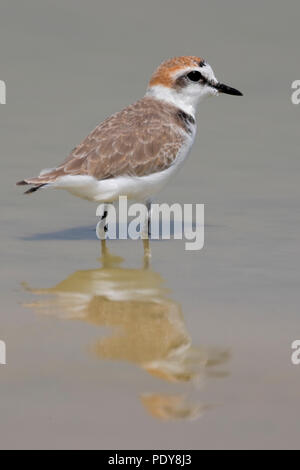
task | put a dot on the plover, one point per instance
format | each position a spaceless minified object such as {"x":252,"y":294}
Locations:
{"x":136,"y":151}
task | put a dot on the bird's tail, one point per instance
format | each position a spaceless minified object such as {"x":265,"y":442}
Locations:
{"x":35,"y":186}
{"x":45,"y":178}
{"x":39,"y":182}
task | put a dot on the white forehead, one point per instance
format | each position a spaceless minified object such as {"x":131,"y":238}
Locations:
{"x":205,"y":70}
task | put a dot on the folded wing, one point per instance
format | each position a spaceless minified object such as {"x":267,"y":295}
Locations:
{"x":142,"y":139}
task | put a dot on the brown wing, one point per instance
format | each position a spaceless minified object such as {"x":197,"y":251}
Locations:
{"x":144,"y":138}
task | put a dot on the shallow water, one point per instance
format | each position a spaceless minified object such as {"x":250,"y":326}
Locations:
{"x":194,"y":352}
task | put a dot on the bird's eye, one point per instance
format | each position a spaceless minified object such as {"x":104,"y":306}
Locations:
{"x":194,"y":76}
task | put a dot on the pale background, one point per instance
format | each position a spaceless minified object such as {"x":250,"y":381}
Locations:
{"x":69,"y":64}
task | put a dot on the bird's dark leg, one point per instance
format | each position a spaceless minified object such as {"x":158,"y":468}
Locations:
{"x":146,"y":236}
{"x":102,"y":227}
{"x":146,"y":230}
{"x":148,"y":204}
{"x":103,"y":218}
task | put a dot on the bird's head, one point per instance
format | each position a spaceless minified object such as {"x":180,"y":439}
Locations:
{"x":183,"y":81}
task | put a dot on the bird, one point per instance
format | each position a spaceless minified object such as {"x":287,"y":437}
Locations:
{"x":137,"y":150}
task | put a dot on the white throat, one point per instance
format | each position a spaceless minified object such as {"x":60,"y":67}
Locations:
{"x":185,"y":102}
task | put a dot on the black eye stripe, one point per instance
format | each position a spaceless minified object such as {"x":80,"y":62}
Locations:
{"x":193,"y":76}
{"x":202,"y":63}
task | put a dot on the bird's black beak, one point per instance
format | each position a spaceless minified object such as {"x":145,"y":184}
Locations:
{"x":227,"y":90}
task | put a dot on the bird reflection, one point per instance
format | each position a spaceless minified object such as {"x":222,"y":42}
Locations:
{"x":148,"y":328}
